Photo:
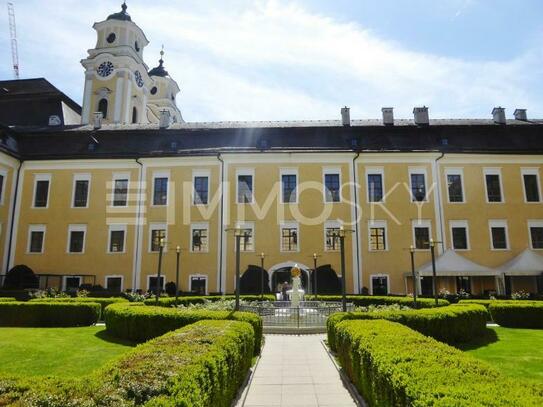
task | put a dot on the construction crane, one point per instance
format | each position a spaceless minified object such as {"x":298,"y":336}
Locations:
{"x":13,"y":35}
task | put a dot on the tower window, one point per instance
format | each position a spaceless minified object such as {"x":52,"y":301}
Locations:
{"x":134,"y":115}
{"x":137,"y":47}
{"x":111,"y":38}
{"x":102,"y":107}
{"x":154,"y":90}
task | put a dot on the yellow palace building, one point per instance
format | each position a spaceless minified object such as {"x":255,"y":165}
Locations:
{"x":88,"y":193}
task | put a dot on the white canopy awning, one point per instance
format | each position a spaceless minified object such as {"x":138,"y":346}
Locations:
{"x":451,"y":263}
{"x":527,"y":263}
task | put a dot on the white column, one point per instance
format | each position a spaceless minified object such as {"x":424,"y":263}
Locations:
{"x":85,"y":114}
{"x":118,"y":97}
{"x":128,"y":103}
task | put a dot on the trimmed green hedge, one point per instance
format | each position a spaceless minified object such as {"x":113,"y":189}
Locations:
{"x":139,"y":322}
{"x":200,"y":299}
{"x":48,"y":314}
{"x":452,"y":324}
{"x":104,"y":302}
{"x":7,"y":299}
{"x":201,"y":365}
{"x":367,"y":300}
{"x":517,"y":314}
{"x":392,"y":365}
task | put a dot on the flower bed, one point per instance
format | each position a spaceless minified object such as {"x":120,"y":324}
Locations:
{"x":450,"y":324}
{"x":200,"y":299}
{"x":48,"y":314}
{"x":104,"y":302}
{"x":139,"y":322}
{"x":202,"y":364}
{"x":517,"y":314}
{"x":392,"y":365}
{"x":367,"y":300}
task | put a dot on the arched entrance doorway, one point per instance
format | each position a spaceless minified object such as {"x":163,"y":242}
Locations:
{"x":280,"y":273}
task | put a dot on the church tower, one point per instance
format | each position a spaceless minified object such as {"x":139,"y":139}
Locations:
{"x":162,"y":94}
{"x":116,"y":79}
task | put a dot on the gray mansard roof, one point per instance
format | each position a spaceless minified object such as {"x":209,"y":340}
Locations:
{"x":211,"y":138}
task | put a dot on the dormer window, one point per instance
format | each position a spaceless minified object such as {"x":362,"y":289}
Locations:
{"x":111,"y":38}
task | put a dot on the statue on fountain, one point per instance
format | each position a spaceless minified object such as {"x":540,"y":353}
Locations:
{"x":296,"y":292}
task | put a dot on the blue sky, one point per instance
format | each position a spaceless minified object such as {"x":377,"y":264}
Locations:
{"x":286,"y":60}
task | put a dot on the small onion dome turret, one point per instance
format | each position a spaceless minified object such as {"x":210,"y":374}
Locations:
{"x":159,"y":70}
{"x":121,"y":15}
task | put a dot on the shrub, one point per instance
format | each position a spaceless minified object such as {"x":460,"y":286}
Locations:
{"x":104,"y":302}
{"x":20,"y":277}
{"x":452,"y":324}
{"x":367,"y":300}
{"x":200,"y":365}
{"x":392,"y":365}
{"x":138,"y":322}
{"x":48,"y":314}
{"x":200,"y":299}
{"x":517,"y":314}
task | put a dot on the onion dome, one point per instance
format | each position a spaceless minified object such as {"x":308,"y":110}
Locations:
{"x":159,"y":70}
{"x":121,"y":15}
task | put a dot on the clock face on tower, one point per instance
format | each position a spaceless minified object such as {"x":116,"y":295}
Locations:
{"x":105,"y":69}
{"x":139,"y":79}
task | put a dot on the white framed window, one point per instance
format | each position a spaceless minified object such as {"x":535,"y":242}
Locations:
{"x":114,"y":283}
{"x":198,"y":284}
{"x":422,"y":233}
{"x":152,"y":280}
{"x":3,"y":181}
{"x":81,"y":190}
{"x":331,"y":181}
{"x":289,"y":237}
{"x":331,"y":236}
{"x":161,"y":181}
{"x":289,"y":185}
{"x":77,"y":235}
{"x":200,"y":190}
{"x":199,"y":237}
{"x":455,"y":185}
{"x":120,"y":186}
{"x":375,"y":184}
{"x":459,"y":234}
{"x":379,"y":284}
{"x":158,"y":232}
{"x":116,"y":242}
{"x":245,"y":185}
{"x":377,"y":235}
{"x":36,"y":239}
{"x":418,"y":184}
{"x":247,"y":241}
{"x":531,"y":185}
{"x":493,"y":185}
{"x":535,"y":234}
{"x":42,"y":186}
{"x":70,"y":282}
{"x":499,"y":239}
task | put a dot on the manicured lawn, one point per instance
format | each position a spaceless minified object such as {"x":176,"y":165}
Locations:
{"x":57,"y":351}
{"x":515,"y":352}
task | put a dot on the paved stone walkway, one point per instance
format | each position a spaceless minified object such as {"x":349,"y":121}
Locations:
{"x":296,"y":371}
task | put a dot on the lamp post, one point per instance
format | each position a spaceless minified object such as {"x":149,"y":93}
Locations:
{"x":315,"y":286}
{"x":434,"y":277}
{"x":238,"y":234}
{"x":413,"y":276}
{"x":262,"y":255}
{"x":177,"y":252}
{"x":341,"y":235}
{"x":160,"y":252}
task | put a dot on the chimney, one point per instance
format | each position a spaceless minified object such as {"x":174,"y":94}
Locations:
{"x":420,"y":115}
{"x":97,"y":120}
{"x":164,"y":121}
{"x":520,"y":114}
{"x":346,"y":116}
{"x":388,"y":116}
{"x":498,"y":113}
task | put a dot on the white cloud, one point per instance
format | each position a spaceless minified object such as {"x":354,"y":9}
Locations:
{"x":272,"y":60}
